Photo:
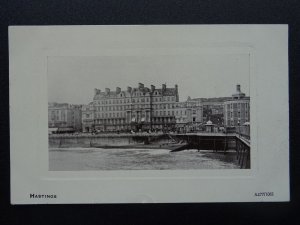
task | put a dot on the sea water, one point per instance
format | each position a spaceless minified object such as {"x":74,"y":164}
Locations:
{"x":77,"y":159}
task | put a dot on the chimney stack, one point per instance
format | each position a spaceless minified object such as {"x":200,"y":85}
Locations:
{"x":129,"y":89}
{"x":107,"y":90}
{"x":238,"y":88}
{"x":152,"y":88}
{"x":118,"y":90}
{"x":141,"y":85}
{"x":97,"y":91}
{"x":164,"y":87}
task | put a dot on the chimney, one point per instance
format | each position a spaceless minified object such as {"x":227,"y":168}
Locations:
{"x":164,"y":86}
{"x":96,"y":91}
{"x":129,"y":89}
{"x":176,"y":92}
{"x":118,"y":90}
{"x":107,"y":90}
{"x":152,"y":88}
{"x":141,"y":85}
{"x":238,"y":88}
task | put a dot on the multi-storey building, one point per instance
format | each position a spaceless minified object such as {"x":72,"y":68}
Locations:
{"x":88,"y":123}
{"x":194,"y":115}
{"x":212,"y":109}
{"x":237,"y":109}
{"x":135,"y":109}
{"x":143,"y":108}
{"x":62,"y":115}
{"x":181,"y":116}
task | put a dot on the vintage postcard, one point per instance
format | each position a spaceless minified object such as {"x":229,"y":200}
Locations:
{"x":164,"y":113}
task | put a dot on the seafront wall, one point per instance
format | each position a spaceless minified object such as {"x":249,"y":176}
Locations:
{"x":65,"y":141}
{"x":211,"y":142}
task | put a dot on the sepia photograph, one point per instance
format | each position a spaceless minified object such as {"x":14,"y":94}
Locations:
{"x":149,"y":113}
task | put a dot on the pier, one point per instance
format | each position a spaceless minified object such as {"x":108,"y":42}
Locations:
{"x":220,"y":142}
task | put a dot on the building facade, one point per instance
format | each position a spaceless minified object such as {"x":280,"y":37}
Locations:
{"x":88,"y":123}
{"x":135,"y":109}
{"x":159,"y":109}
{"x":212,"y":109}
{"x":63,"y":115}
{"x":181,"y":117}
{"x":237,"y":109}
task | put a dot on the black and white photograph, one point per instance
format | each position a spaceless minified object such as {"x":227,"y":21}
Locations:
{"x":127,"y":113}
{"x":160,"y":112}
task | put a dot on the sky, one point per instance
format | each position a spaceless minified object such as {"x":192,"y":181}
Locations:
{"x":73,"y":79}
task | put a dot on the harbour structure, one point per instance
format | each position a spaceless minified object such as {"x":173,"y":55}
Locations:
{"x":134,"y":109}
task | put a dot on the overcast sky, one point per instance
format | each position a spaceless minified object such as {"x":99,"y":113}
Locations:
{"x":73,"y":79}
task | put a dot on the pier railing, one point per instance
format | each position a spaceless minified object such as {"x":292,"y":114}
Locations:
{"x":221,"y":143}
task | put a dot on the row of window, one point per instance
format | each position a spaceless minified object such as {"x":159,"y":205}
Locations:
{"x":133,"y":100}
{"x":164,"y":113}
{"x":122,"y":121}
{"x":236,"y":114}
{"x":237,"y":105}
{"x":123,"y":114}
{"x":125,"y":107}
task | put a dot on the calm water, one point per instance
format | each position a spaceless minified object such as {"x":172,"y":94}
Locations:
{"x":72,"y":159}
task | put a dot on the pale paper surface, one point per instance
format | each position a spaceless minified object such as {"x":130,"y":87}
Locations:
{"x":29,"y":47}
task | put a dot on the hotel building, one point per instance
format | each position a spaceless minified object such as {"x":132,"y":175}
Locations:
{"x":136,"y":109}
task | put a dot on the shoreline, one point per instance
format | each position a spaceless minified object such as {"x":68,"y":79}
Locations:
{"x":132,"y":148}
